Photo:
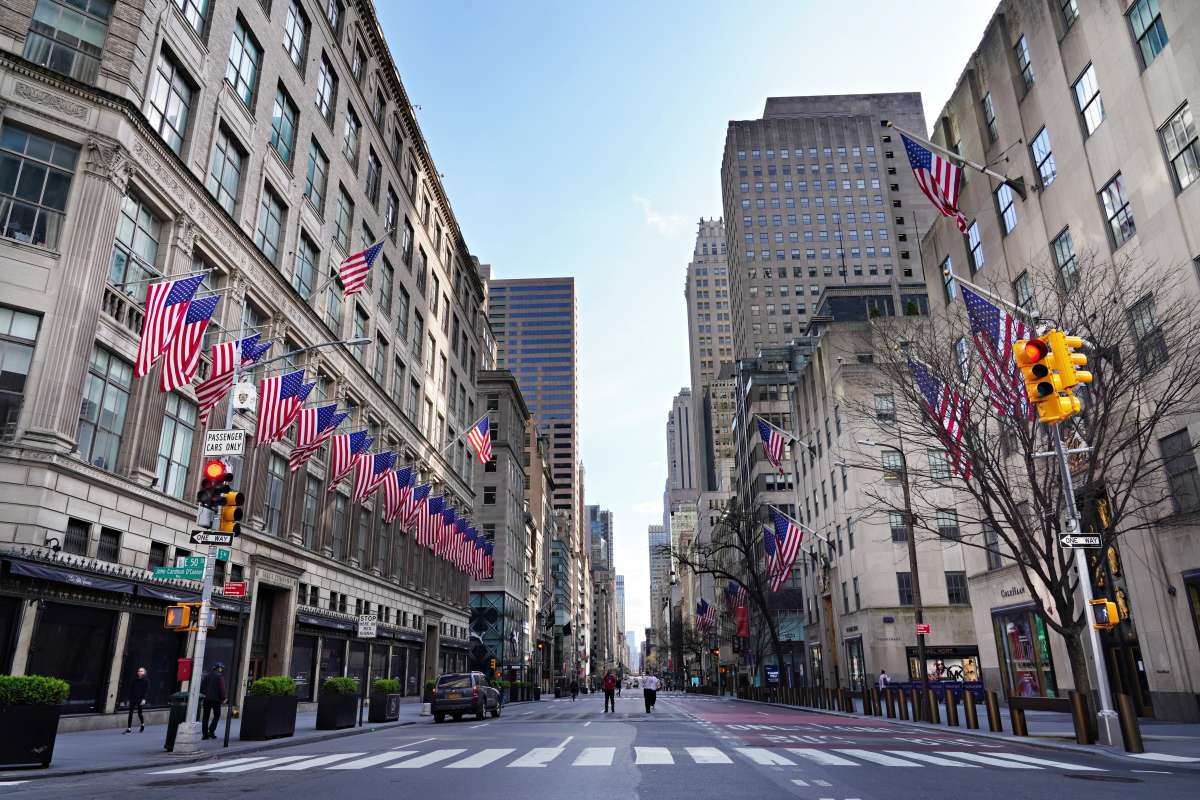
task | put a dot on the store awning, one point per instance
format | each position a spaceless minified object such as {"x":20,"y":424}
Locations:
{"x":58,"y":574}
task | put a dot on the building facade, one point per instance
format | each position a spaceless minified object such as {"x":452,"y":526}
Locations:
{"x":658,"y":549}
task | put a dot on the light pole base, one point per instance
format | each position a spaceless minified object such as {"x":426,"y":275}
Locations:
{"x":1108,"y":728}
{"x":187,"y":739}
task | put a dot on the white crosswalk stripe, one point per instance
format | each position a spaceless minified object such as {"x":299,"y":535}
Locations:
{"x":482,"y":758}
{"x":270,"y":762}
{"x":427,"y":759}
{"x":203,"y":767}
{"x":1047,"y":763}
{"x":822,"y":757}
{"x":929,"y":758}
{"x":375,"y":760}
{"x":653,"y":755}
{"x":990,"y":761}
{"x":595,"y":757}
{"x":708,"y":755}
{"x":882,"y":759}
{"x":538,"y":757}
{"x":760,"y":755}
{"x":319,"y":761}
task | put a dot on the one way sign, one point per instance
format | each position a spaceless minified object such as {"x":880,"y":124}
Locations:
{"x":208,"y":537}
{"x":1079,"y":540}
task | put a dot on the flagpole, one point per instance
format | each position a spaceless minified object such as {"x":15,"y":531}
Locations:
{"x":459,"y":435}
{"x":1018,"y":183}
{"x":788,"y":434}
{"x":995,"y":298}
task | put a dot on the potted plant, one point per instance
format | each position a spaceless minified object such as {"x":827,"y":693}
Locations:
{"x":29,"y":709}
{"x":338,"y":704}
{"x":385,"y":700}
{"x":270,"y":709}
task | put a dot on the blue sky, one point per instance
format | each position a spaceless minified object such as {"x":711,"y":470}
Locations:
{"x":585,"y":139}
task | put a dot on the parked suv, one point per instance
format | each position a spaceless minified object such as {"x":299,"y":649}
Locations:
{"x":464,"y":692}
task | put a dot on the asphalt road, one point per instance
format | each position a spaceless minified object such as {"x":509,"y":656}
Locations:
{"x":688,"y":748}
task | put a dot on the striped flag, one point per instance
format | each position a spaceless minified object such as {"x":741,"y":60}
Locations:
{"x":994,"y":331}
{"x":314,"y":426}
{"x":213,"y":389}
{"x":429,"y":518}
{"x":354,"y":268}
{"x":706,"y":616}
{"x":166,"y":305}
{"x":372,"y":469}
{"x":183,"y":353}
{"x":395,"y":484}
{"x":459,"y":554}
{"x":489,"y":566}
{"x":345,"y":448}
{"x":477,"y":555}
{"x":788,"y":536}
{"x":736,"y":594}
{"x":279,"y":401}
{"x":414,"y":502}
{"x":446,"y":533}
{"x":773,"y":441}
{"x":480,"y":438}
{"x":939,"y":178}
{"x":252,"y":351}
{"x":949,"y":409}
{"x":469,"y":547}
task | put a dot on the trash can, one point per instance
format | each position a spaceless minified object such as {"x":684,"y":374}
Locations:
{"x":177,"y":715}
{"x":557,"y":691}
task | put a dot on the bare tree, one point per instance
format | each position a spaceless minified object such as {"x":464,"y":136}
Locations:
{"x":1144,"y":354}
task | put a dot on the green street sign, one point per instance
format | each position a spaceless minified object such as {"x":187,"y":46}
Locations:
{"x":179,"y":573}
{"x":223,"y":554}
{"x":190,"y":562}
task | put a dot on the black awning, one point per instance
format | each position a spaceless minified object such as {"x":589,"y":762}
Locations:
{"x":173,"y":594}
{"x":325,"y":622}
{"x":69,"y":576}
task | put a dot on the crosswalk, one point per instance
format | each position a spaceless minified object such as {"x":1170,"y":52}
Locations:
{"x":639,"y":755}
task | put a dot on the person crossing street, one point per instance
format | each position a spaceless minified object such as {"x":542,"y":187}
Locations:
{"x":650,"y":691}
{"x":610,"y":689}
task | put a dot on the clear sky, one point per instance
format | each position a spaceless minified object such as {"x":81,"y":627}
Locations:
{"x":585,"y":139}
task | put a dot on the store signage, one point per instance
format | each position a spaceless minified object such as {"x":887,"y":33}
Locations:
{"x":1080,"y":540}
{"x":924,"y":629}
{"x":367,"y":624}
{"x":234,"y":589}
{"x":224,"y":443}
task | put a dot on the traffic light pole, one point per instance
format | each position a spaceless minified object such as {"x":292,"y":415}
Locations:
{"x":1108,"y":724}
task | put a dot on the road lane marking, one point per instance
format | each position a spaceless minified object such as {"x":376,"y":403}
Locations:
{"x":761,"y":755}
{"x":825,"y":784}
{"x":371,"y":761}
{"x":431,"y":757}
{"x":480,"y":725}
{"x":708,"y":755}
{"x":821,"y":757}
{"x":932,"y":759}
{"x":991,"y":762}
{"x":799,"y":782}
{"x":653,"y":755}
{"x":270,"y":762}
{"x":595,"y":757}
{"x":1047,"y":763}
{"x":1164,"y":757}
{"x":319,"y":761}
{"x":482,"y":758}
{"x":877,"y":758}
{"x":18,"y":783}
{"x":202,"y":767}
{"x":538,"y":757}
{"x":565,"y":742}
{"x":1153,"y":771}
{"x":413,"y":744}
{"x":589,"y":722}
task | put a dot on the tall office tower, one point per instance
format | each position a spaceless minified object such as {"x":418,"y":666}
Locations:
{"x":683,"y":472}
{"x":621,"y":604}
{"x":659,"y":541}
{"x":534,"y":322}
{"x":817,"y":193}
{"x":600,"y":528}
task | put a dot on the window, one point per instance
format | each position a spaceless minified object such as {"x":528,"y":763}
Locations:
{"x":975,"y":244}
{"x":270,"y":223}
{"x":1087,"y":99}
{"x":225,"y":171}
{"x":169,"y":103}
{"x":893,"y":463}
{"x":175,"y":445}
{"x":1152,"y":346}
{"x":956,"y":589}
{"x":489,"y":495}
{"x":334,"y":12}
{"x":158,"y":555}
{"x":898,"y":528}
{"x":316,"y":176}
{"x":102,"y":415}
{"x":1007,"y":208}
{"x":885,"y":407}
{"x":295,"y":34}
{"x":273,"y":493}
{"x":1116,"y":209}
{"x":1064,"y":258}
{"x":326,"y":97}
{"x":391,"y":212}
{"x":350,"y":137}
{"x":1023,"y":62}
{"x":386,"y":283}
{"x":947,"y":523}
{"x":1148,"y":29}
{"x":949,"y":287}
{"x":406,"y":245}
{"x":403,"y":301}
{"x":135,"y":247}
{"x":283,"y":126}
{"x":1043,"y":156}
{"x":939,"y":465}
{"x":109,"y":546}
{"x":75,"y":541}
{"x":374,"y":173}
{"x":337,"y":527}
{"x":845,"y":599}
{"x":904,"y":588}
{"x":1179,"y":461}
{"x":991,"y":543}
{"x":1070,"y":11}
{"x":67,"y":37}
{"x":1183,"y":148}
{"x":358,"y":64}
{"x":304,"y":277}
{"x":35,"y":179}
{"x":342,"y":220}
{"x":245,"y":55}
{"x":18,"y":335}
{"x":989,"y":116}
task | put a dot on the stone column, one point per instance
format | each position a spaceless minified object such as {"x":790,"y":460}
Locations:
{"x":52,"y":406}
{"x":25,"y":627}
{"x":118,"y":662}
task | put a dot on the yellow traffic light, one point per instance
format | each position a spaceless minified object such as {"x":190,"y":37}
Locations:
{"x":1104,"y":614}
{"x":230,"y":502}
{"x":1066,"y":360}
{"x":178,"y":617}
{"x":1043,"y":382}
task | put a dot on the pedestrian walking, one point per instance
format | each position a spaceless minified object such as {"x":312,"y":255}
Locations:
{"x":139,"y":687}
{"x":212,"y":690}
{"x":610,"y":688}
{"x":574,"y":689}
{"x":650,"y":691}
{"x":883,"y":681}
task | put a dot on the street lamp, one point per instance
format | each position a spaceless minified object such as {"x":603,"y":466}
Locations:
{"x":914,"y":577}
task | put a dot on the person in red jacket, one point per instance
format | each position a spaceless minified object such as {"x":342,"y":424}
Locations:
{"x":610,"y":690}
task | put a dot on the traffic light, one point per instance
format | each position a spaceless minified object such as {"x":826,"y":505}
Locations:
{"x":1042,"y":383}
{"x":541,"y":646}
{"x":1104,"y":614}
{"x":492,"y":664}
{"x":1066,"y":361}
{"x":210,"y":477}
{"x":178,"y":618}
{"x":229,"y":501}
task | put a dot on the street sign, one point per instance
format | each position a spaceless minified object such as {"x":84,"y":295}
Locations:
{"x":366,"y":625}
{"x":223,"y":553}
{"x":190,"y":562}
{"x":208,"y":537}
{"x":224,"y":443}
{"x":924,"y":629}
{"x":1080,"y":540}
{"x":179,"y":573}
{"x":235,"y":589}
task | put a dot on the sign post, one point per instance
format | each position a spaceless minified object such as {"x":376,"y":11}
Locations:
{"x":235,"y":671}
{"x":367,"y":624}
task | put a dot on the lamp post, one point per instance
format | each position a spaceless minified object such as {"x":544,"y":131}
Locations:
{"x":914,"y":577}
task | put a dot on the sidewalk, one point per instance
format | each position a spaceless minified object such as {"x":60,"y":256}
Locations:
{"x":111,"y":750}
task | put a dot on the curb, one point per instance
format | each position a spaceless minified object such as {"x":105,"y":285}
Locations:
{"x":1030,"y":741}
{"x":181,"y":760}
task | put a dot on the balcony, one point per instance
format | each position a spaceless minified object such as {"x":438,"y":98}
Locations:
{"x":127,"y":313}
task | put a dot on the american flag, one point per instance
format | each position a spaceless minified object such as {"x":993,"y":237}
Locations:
{"x":949,"y":409}
{"x":788,"y":536}
{"x":372,"y":469}
{"x":252,"y":351}
{"x":345,"y":448}
{"x":183,"y":353}
{"x":477,"y":555}
{"x":489,"y":566}
{"x":314,"y":426}
{"x":773,"y":441}
{"x":470,"y":547}
{"x":166,"y":305}
{"x":481,"y":439}
{"x":429,"y":517}
{"x":279,"y":401}
{"x":213,"y":389}
{"x":395,"y":485}
{"x":706,"y":616}
{"x":354,"y":268}
{"x":460,"y":543}
{"x":736,"y":594}
{"x":994,"y":332}
{"x":938,"y":177}
{"x":445,"y":547}
{"x":414,"y":501}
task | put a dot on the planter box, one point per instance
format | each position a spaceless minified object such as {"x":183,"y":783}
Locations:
{"x":384,"y":707}
{"x":336,"y":711}
{"x":268,"y":718}
{"x":27,"y":735}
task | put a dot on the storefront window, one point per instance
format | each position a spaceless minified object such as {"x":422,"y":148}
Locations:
{"x":304,"y":660}
{"x":9,"y":607}
{"x":379,"y":663}
{"x":854,"y":664}
{"x":333,"y":658}
{"x":74,"y":643}
{"x":1024,"y":649}
{"x":397,"y":670}
{"x":357,"y":668}
{"x":157,"y":649}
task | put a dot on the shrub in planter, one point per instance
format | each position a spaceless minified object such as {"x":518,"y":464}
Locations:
{"x":270,"y":709}
{"x":29,"y":709}
{"x":427,"y":697}
{"x":385,"y":700}
{"x":337,"y":706}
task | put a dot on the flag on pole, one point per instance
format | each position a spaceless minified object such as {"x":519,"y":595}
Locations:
{"x":279,"y":401}
{"x":372,"y":469}
{"x":480,"y":438}
{"x":429,"y":519}
{"x":949,"y":409}
{"x":183,"y":353}
{"x":166,"y":305}
{"x":413,"y":503}
{"x":446,"y":534}
{"x":788,"y":536}
{"x":345,"y":448}
{"x":395,"y":485}
{"x":314,"y":426}
{"x":994,"y":331}
{"x":938,"y":177}
{"x":489,"y":566}
{"x":736,"y":594}
{"x":354,"y":267}
{"x":216,"y":386}
{"x":460,"y":541}
{"x":468,"y":557}
{"x":773,"y":441}
{"x":706,"y":616}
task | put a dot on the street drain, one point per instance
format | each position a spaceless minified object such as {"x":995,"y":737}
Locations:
{"x":1101,"y":778}
{"x":179,"y":782}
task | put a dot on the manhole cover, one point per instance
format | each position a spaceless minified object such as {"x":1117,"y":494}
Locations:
{"x":1102,"y":778}
{"x":180,"y":781}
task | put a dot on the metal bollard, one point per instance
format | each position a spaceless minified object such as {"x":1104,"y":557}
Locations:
{"x":847,"y":701}
{"x":871,"y":700}
{"x":992,"y":704}
{"x":903,"y":704}
{"x":951,"y":709}
{"x":1130,"y":732}
{"x":1017,"y":718}
{"x":931,"y":704}
{"x":889,"y":698}
{"x":969,"y":710}
{"x":1080,"y":716}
